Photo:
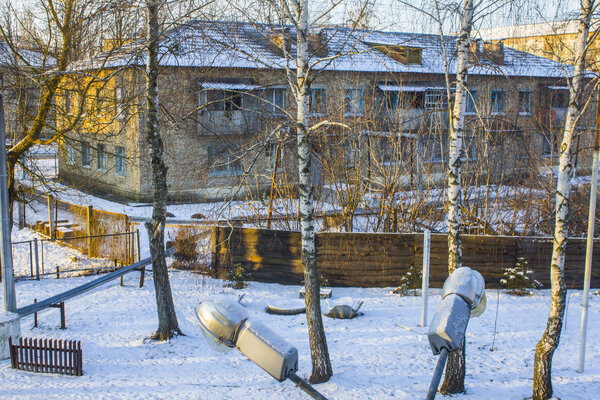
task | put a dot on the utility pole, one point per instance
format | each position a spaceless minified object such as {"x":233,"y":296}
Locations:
{"x":590,"y":241}
{"x":9,"y":300}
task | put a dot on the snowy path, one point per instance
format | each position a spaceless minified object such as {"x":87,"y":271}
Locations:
{"x":372,"y":357}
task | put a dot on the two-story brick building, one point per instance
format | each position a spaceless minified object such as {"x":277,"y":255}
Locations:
{"x":227,"y":109}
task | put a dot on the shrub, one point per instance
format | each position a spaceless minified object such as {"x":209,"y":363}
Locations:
{"x":237,"y":277}
{"x":519,"y":279}
{"x":410,"y":282}
{"x":186,"y":253}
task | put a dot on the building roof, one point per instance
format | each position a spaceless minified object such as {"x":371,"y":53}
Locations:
{"x":31,"y":58}
{"x":221,"y":44}
{"x":532,"y":30}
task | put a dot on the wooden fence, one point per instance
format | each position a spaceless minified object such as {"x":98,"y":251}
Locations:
{"x":83,"y":228}
{"x":43,"y":355}
{"x":380,"y":259}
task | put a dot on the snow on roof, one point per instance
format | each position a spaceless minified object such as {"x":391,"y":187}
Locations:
{"x":244,"y":45}
{"x":33,"y":58}
{"x":229,"y":86}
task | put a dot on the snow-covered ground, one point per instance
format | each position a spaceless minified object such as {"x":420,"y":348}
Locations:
{"x":372,"y":357}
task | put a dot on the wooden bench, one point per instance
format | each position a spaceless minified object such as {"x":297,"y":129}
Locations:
{"x":43,"y":355}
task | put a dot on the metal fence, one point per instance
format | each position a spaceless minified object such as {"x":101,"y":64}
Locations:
{"x":124,"y":249}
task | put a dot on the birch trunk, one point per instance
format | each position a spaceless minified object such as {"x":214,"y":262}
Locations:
{"x":542,"y":367}
{"x":321,"y":365}
{"x":167,"y":319}
{"x":454,"y":377}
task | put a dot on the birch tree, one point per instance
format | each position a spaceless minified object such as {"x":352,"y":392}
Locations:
{"x":167,"y":318}
{"x":454,"y":377}
{"x":542,"y":367}
{"x":321,"y":365}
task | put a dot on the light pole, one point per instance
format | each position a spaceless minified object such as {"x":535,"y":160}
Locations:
{"x":10,"y":325}
{"x":463,"y":297}
{"x":226,"y":324}
{"x":9,"y":300}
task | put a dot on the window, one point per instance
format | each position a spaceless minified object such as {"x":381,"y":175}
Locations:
{"x":271,"y":153}
{"x":471,"y":101}
{"x":393,"y":150}
{"x":317,"y":101}
{"x":276,"y":98}
{"x":436,"y":99}
{"x":497,"y":102}
{"x":560,"y":98}
{"x":469,"y":148}
{"x":435,"y":148}
{"x":120,"y":160}
{"x":353,"y":101}
{"x":101,"y":159}
{"x":119,"y":102}
{"x":70,"y":159}
{"x":222,"y":161}
{"x":85,"y":154}
{"x":223,"y":100}
{"x":524,"y":102}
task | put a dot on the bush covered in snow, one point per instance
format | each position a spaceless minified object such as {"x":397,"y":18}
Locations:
{"x":237,"y":277}
{"x":410,"y":282}
{"x":519,"y":279}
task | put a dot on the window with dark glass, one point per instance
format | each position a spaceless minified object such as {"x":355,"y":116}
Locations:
{"x":317,"y":101}
{"x":223,"y":100}
{"x":497,"y":102}
{"x":222,"y":161}
{"x":85,"y":154}
{"x":524,"y":102}
{"x":471,"y":101}
{"x":120,"y":160}
{"x":353,"y":101}
{"x":101,"y":157}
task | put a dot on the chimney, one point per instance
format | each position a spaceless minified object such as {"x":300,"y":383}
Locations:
{"x":279,"y":37}
{"x":494,"y":52}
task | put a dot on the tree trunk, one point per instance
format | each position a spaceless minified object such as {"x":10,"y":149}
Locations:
{"x":454,"y":377}
{"x":321,"y":365}
{"x":167,"y":319}
{"x":542,"y":367}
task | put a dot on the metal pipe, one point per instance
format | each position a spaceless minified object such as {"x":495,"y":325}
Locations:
{"x":9,"y":299}
{"x":437,"y":375}
{"x":590,"y":243}
{"x":307,"y":387}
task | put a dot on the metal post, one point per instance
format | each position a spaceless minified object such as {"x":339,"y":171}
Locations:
{"x":37,"y":259}
{"x":425,"y":278}
{"x":590,"y":243}
{"x":437,"y":375}
{"x":51,"y":219}
{"x":31,"y":257}
{"x":35,"y":319}
{"x":302,"y":384}
{"x":9,"y":298}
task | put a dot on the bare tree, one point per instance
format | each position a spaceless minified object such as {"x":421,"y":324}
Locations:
{"x":167,"y":318}
{"x":542,"y":368}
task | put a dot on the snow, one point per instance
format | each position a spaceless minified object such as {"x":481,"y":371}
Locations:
{"x":372,"y":358}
